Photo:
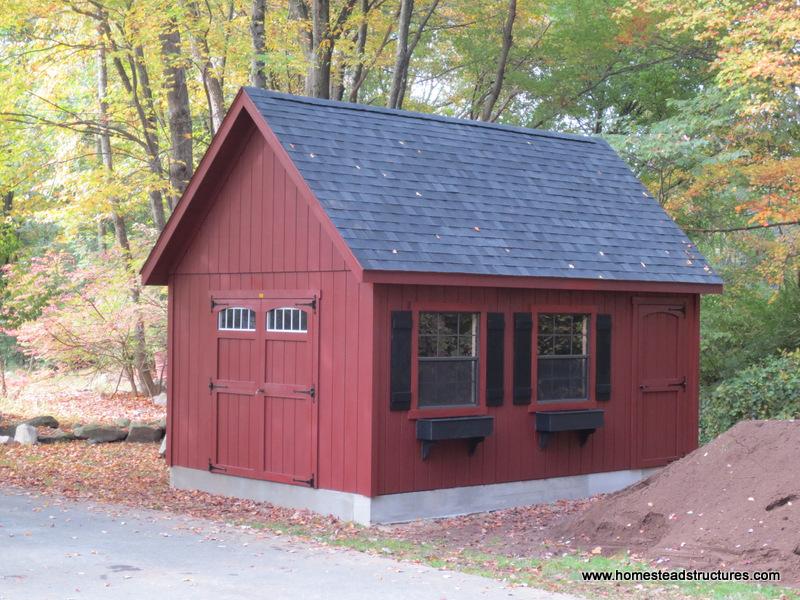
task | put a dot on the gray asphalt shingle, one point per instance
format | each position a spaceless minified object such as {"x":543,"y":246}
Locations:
{"x":422,"y":193}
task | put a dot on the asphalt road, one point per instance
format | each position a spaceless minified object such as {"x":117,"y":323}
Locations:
{"x":55,"y":549}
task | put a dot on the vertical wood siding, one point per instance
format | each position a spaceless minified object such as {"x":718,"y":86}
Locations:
{"x":259,"y":234}
{"x":511,"y":453}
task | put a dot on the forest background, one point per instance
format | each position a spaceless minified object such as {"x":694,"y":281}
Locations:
{"x":106,"y":106}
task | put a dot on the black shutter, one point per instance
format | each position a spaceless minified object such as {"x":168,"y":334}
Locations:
{"x":523,"y":325}
{"x":603,"y":358}
{"x":400,"y":362}
{"x":495,"y":343}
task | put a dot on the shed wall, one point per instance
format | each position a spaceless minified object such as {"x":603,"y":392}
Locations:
{"x":261,"y":233}
{"x":511,"y":453}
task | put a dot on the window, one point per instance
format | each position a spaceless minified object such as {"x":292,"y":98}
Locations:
{"x":448,"y":359}
{"x":563,"y":361}
{"x":237,"y":319}
{"x":287,"y":320}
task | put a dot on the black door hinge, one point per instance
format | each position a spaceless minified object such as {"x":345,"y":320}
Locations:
{"x":213,"y":386}
{"x":215,"y":304}
{"x":310,"y":391}
{"x":312,"y":304}
{"x":212,"y":467}
{"x":309,"y":482}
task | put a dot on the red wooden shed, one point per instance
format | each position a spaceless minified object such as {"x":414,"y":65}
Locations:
{"x":387,"y":315}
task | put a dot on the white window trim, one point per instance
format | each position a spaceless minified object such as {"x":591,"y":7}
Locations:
{"x":293,"y":313}
{"x":244,"y":316}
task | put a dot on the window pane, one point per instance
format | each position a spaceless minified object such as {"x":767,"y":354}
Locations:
{"x":466,"y":323}
{"x":304,"y":320}
{"x":427,"y":345}
{"x":563,"y":323}
{"x":448,"y":323}
{"x":447,"y":345}
{"x":466,"y":346}
{"x":545,"y":324}
{"x":447,"y":382}
{"x":428,"y":323}
{"x":236,"y":319}
{"x":562,"y":345}
{"x":545,"y":344}
{"x":562,"y":378}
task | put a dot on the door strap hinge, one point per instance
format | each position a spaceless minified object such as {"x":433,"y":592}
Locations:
{"x":309,"y":482}
{"x":310,"y":391}
{"x":312,"y":304}
{"x":214,"y":386}
{"x":681,"y":309}
{"x":212,"y":467}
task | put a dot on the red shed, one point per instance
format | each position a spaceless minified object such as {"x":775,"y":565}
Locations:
{"x":386,"y":315}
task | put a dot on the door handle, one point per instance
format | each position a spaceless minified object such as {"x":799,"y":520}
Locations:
{"x":311,"y":391}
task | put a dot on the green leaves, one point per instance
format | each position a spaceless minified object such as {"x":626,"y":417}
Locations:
{"x":769,"y":390}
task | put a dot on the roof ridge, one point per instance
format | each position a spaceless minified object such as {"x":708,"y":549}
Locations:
{"x":408,"y":114}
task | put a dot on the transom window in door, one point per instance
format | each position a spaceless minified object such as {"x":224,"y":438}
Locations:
{"x":448,"y":359}
{"x":287,"y":320}
{"x":563,"y":357}
{"x":237,"y":318}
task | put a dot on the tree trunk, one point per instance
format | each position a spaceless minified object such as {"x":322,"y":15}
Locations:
{"x":401,"y":60}
{"x":211,"y":82}
{"x":257,"y":76}
{"x":140,"y":344}
{"x":146,"y":113}
{"x":178,"y":111}
{"x":405,"y":50}
{"x":299,"y":11}
{"x":502,"y":61}
{"x":361,"y":43}
{"x":320,"y":71}
{"x":8,"y":202}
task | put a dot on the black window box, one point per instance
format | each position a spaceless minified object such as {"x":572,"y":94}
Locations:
{"x":472,"y":429}
{"x":584,"y":421}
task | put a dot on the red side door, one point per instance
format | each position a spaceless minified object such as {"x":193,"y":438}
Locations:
{"x":660,"y":368}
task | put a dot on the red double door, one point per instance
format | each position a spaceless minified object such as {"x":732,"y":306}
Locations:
{"x":664,"y":425}
{"x":263,"y":386}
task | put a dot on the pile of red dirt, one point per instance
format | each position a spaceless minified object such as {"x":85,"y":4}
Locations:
{"x":733,"y":504}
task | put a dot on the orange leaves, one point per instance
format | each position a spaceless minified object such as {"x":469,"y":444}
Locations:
{"x":777,"y":182}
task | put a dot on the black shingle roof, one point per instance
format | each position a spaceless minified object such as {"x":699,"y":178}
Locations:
{"x":416,"y":192}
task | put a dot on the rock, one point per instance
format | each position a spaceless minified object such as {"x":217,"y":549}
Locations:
{"x":99,"y":434}
{"x":141,"y":433}
{"x":43,"y":421}
{"x":161,"y":399}
{"x":162,"y":422}
{"x":25,"y":434}
{"x":162,"y":451}
{"x":59,"y":435}
{"x":6,"y":439}
{"x":123,"y":422}
{"x":8,"y":430}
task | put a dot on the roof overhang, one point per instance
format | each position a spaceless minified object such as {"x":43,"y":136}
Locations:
{"x":552,"y":283}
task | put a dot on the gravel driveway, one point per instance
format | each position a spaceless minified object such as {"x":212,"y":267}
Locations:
{"x":52,"y":548}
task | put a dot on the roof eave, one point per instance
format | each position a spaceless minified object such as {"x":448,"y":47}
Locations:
{"x":553,"y":283}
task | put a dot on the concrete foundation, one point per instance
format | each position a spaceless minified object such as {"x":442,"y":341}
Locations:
{"x":397,"y":508}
